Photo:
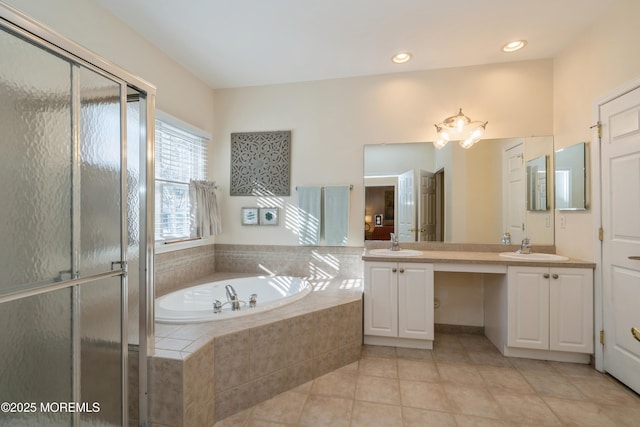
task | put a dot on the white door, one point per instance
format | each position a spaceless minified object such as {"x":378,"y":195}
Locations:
{"x":406,"y":208}
{"x":514,"y":192}
{"x":381,"y":299}
{"x":528,"y":307}
{"x":571,"y":310}
{"x":415,"y":301}
{"x":620,"y":170}
{"x":427,"y":217}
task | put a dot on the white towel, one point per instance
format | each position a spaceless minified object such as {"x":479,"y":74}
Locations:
{"x":309,"y":209}
{"x":205,"y":214}
{"x":336,"y":215}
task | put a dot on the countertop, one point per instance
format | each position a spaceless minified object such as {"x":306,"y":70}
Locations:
{"x":472,"y":257}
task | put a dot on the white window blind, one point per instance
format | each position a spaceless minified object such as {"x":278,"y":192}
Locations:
{"x":180,"y":157}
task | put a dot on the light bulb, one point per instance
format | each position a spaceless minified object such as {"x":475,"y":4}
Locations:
{"x":514,"y":45}
{"x":440,"y":143}
{"x":467,"y":143}
{"x":401,"y":57}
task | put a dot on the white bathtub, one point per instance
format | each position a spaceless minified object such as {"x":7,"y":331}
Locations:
{"x":195,"y":304}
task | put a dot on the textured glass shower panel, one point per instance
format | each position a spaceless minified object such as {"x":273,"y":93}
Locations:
{"x":134,"y":182}
{"x":35,"y":165}
{"x":35,"y":357}
{"x":100,"y":169}
{"x":101,"y":351}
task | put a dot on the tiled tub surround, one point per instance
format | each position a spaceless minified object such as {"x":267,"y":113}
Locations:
{"x":315,"y":262}
{"x":207,"y":371}
{"x":178,"y":269}
{"x":174,"y":270}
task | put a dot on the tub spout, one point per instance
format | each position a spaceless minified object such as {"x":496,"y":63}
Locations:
{"x":232,"y":297}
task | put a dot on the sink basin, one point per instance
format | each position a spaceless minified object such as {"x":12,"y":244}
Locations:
{"x":390,"y":253}
{"x":534,"y":256}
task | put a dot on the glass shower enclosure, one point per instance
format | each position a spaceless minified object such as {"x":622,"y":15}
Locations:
{"x":77,"y":250}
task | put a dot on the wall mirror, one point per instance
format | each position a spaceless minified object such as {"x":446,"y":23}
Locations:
{"x":537,"y":191}
{"x":570,"y":178}
{"x":453,"y":195}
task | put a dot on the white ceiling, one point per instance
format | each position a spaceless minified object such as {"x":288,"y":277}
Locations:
{"x":234,"y":43}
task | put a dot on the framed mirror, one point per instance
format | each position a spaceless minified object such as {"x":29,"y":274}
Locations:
{"x":570,"y":178}
{"x":537,"y":192}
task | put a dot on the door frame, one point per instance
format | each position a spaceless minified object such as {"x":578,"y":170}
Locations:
{"x":596,"y":203}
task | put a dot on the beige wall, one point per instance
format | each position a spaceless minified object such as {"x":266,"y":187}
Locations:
{"x":602,"y":58}
{"x":332,"y":120}
{"x":179,"y":92}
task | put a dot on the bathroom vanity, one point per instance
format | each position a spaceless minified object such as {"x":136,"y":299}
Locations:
{"x":534,"y":308}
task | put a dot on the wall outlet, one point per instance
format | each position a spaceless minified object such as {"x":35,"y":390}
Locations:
{"x":563,"y":221}
{"x":547,"y":221}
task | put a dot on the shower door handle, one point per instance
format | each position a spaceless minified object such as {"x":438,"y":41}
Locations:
{"x":124,"y":265}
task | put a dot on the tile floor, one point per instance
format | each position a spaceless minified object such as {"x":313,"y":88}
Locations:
{"x":464,"y":381}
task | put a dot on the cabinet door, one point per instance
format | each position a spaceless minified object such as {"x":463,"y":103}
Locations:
{"x":381,"y":299}
{"x":415,"y":301}
{"x":528,"y":308}
{"x":571,"y":310}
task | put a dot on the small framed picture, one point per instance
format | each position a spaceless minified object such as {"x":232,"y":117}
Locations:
{"x":268,"y":216}
{"x":249,"y":216}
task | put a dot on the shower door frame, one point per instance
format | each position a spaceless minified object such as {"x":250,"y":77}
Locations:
{"x":49,"y":40}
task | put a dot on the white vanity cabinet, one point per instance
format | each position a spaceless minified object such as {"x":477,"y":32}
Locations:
{"x":550,"y":308}
{"x":398,"y":304}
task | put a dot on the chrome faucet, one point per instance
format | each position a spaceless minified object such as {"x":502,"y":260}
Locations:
{"x":217,"y":307}
{"x":232,"y":297}
{"x":525,"y":246}
{"x":395,"y":246}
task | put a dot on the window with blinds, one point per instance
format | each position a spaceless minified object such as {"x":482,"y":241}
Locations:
{"x":180,"y":157}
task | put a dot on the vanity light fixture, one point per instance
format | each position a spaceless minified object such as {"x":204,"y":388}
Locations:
{"x":401,"y":57}
{"x":514,"y":45}
{"x":459,"y":128}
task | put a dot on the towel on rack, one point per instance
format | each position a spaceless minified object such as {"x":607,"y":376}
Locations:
{"x":336,"y":215}
{"x":309,"y":210}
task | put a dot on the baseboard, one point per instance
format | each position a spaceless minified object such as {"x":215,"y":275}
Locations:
{"x":458,"y":329}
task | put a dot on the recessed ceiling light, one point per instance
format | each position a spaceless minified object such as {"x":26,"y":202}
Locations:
{"x":514,"y":45}
{"x":401,"y":57}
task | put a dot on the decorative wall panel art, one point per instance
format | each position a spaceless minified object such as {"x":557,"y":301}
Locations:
{"x":260,"y":163}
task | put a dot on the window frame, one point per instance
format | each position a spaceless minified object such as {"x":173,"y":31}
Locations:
{"x":197,"y":133}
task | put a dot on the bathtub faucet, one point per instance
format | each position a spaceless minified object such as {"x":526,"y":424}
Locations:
{"x":217,"y":307}
{"x":232,"y":297}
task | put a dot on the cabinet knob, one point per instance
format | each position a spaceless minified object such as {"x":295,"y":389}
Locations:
{"x":394,"y":269}
{"x":402,"y":270}
{"x":545,"y":275}
{"x":555,"y":276}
